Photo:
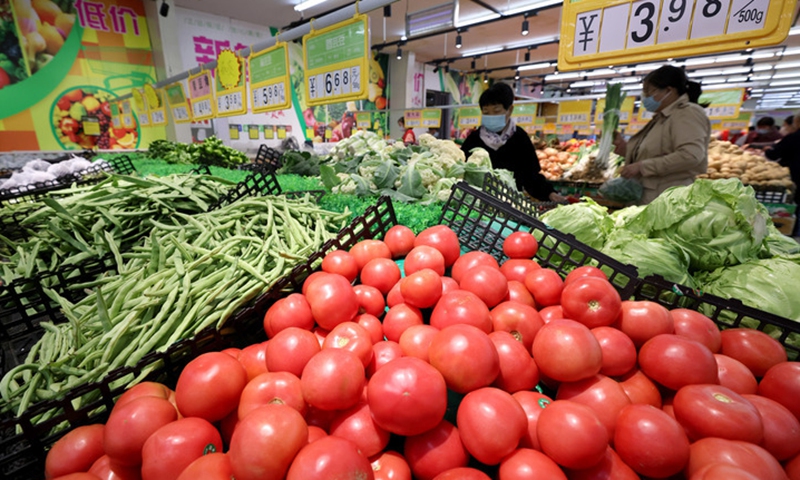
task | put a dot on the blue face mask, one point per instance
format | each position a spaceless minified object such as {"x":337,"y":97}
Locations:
{"x":494,"y":123}
{"x":762,"y":131}
{"x":651,"y":104}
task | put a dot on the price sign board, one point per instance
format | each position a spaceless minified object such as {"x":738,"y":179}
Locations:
{"x":178,"y":104}
{"x":269,"y":79}
{"x":229,"y":83}
{"x":233,"y":130}
{"x":336,"y":62}
{"x":524,"y":114}
{"x":598,"y":33}
{"x":127,"y":114}
{"x":116,"y":115}
{"x":625,"y":112}
{"x":723,"y":104}
{"x":155,"y":104}
{"x":739,"y":123}
{"x":281,"y":132}
{"x":204,"y":106}
{"x":549,"y":128}
{"x":469,"y":117}
{"x":431,"y":118}
{"x":140,"y":106}
{"x":578,"y":112}
{"x":363,"y":120}
{"x":413,"y":118}
{"x":252,"y":132}
{"x":91,"y":126}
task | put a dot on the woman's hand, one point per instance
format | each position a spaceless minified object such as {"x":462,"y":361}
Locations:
{"x":620,"y":145}
{"x":632,"y":170}
{"x":555,"y":197}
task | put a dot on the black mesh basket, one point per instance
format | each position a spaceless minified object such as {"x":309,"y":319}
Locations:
{"x":520,"y":201}
{"x":767,"y":194}
{"x":266,"y":159}
{"x":200,"y":170}
{"x":257,"y":184}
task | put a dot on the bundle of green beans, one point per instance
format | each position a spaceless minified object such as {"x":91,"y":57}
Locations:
{"x":189,"y":274}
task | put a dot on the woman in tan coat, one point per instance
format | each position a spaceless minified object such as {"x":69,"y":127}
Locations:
{"x":673,"y":148}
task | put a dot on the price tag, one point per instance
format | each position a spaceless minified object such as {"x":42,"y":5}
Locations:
{"x":598,"y":33}
{"x":141,"y":107}
{"x":576,"y":112}
{"x":202,"y":96}
{"x":335,"y":60}
{"x":233,"y":130}
{"x":281,"y":132}
{"x":144,"y":119}
{"x":625,"y":111}
{"x":413,"y":118}
{"x":178,"y":104}
{"x":269,"y":79}
{"x":253,"y":132}
{"x":91,"y":126}
{"x":469,"y":117}
{"x":363,"y":120}
{"x":739,"y":123}
{"x":116,"y":115}
{"x":155,"y":104}
{"x":432,"y":118}
{"x":328,"y":134}
{"x":229,"y":85}
{"x":524,"y":114}
{"x":549,"y":128}
{"x":127,"y":114}
{"x":269,"y":132}
{"x":723,"y":104}
{"x":310,"y":134}
{"x":158,"y":117}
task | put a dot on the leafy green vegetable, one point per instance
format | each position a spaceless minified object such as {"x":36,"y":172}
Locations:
{"x":614,"y":98}
{"x":299,"y":163}
{"x":777,"y":244}
{"x":650,"y":255}
{"x":385,"y":175}
{"x":588,"y":221}
{"x":411,"y":183}
{"x":329,"y":177}
{"x":210,"y":152}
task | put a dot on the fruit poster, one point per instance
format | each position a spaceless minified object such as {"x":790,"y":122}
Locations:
{"x":62,"y":64}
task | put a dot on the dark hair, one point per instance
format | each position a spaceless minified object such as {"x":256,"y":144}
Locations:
{"x":789,"y":120}
{"x":497,"y":94}
{"x":766,"y":122}
{"x":675,"y":77}
{"x":402,"y":120}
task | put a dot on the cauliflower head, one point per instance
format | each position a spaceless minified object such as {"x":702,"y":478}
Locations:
{"x":480,"y":157}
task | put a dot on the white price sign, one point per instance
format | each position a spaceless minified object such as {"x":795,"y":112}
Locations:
{"x":117,"y":122}
{"x":469,"y":121}
{"x":180,"y":113}
{"x":202,"y":108}
{"x":573,"y":118}
{"x":335,"y":83}
{"x":269,"y":95}
{"x":158,"y":116}
{"x":144,"y":119}
{"x":229,"y":102}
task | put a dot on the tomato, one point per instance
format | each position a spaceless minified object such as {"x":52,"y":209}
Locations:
{"x":792,"y":468}
{"x":470,"y":260}
{"x":518,"y":371}
{"x":292,"y":311}
{"x":75,"y":452}
{"x":782,"y":384}
{"x":610,"y":468}
{"x":368,"y":250}
{"x":619,"y":353}
{"x":674,"y":361}
{"x":277,"y":429}
{"x":532,"y":403}
{"x":491,"y":424}
{"x":449,"y":285}
{"x":721,"y":471}
{"x":416,"y":341}
{"x":650,"y":441}
{"x":520,"y":245}
{"x":233,"y":352}
{"x":424,"y":256}
{"x":435,"y":451}
{"x":254,"y":359}
{"x":329,"y":458}
{"x":381,"y":273}
{"x":421,"y":289}
{"x":342,"y":263}
{"x":372,"y":325}
{"x":697,"y":327}
{"x":716,"y":411}
{"x":583,"y":272}
{"x":332,"y":300}
{"x":643,"y":320}
{"x":442,"y":238}
{"x":209,"y":386}
{"x":398,"y":319}
{"x":465,"y":356}
{"x":321,"y":418}
{"x":407,"y":396}
{"x":274,"y":387}
{"x":356,"y":425}
{"x":755,"y":349}
{"x":370,"y":300}
{"x":78,"y":475}
{"x":545,"y":285}
{"x":572,"y":435}
{"x":315,"y":433}
{"x":527,"y":464}
{"x":517,"y":292}
{"x":390,"y":465}
{"x":517,"y":269}
{"x":214,"y":466}
{"x":352,"y":337}
{"x":400,"y":240}
{"x":553,"y":312}
{"x":333,"y":379}
{"x":311,"y":279}
{"x":751,"y":458}
{"x":640,"y":389}
{"x":227,"y":425}
{"x":383,"y":352}
{"x":781,"y":428}
{"x":488,"y":283}
{"x":394,"y":297}
{"x":522,"y":321}
{"x":603,"y":395}
{"x":566,"y":351}
{"x":734,"y":375}
{"x":290,"y":350}
{"x":462,"y":473}
{"x":173,"y":447}
{"x":105,"y":470}
{"x":144,"y":389}
{"x":461,"y":307}
{"x":132,"y":424}
{"x":591,"y":301}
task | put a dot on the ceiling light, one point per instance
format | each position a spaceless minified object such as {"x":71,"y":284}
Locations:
{"x":713,"y":80}
{"x":603,"y":72}
{"x":560,"y":76}
{"x":737,"y":79}
{"x":778,"y":76}
{"x":631,"y":87}
{"x":583,"y":84}
{"x":794,"y":31}
{"x":399,"y":53}
{"x":474,"y":20}
{"x":704,"y":73}
{"x":730,"y":58}
{"x":761,"y":68}
{"x":535,"y":66}
{"x":516,"y":75}
{"x":533,"y":5}
{"x":762,"y":55}
{"x":758,"y":78}
{"x":308,"y":4}
{"x":628,"y":80}
{"x":403,"y":37}
{"x":785,"y":83}
{"x":472,"y":53}
{"x":525,"y":29}
{"x":458,"y":41}
{"x":781,"y":90}
{"x":485,"y":78}
{"x":791,"y":51}
{"x":781,"y":66}
{"x":734,"y":71}
{"x":693,"y":62}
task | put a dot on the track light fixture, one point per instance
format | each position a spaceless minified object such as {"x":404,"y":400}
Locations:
{"x":528,"y":55}
{"x":447,"y":68}
{"x":164,"y":11}
{"x":516,"y":75}
{"x":472,"y":65}
{"x":485,"y":77}
{"x":399,"y":53}
{"x":458,"y":41}
{"x":525,"y":26}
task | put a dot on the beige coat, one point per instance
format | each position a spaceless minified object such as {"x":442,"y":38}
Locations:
{"x":672,"y":148}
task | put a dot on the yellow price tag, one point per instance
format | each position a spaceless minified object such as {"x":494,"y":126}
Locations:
{"x":575,"y":112}
{"x":269,"y":132}
{"x":91,"y":126}
{"x":281,"y":132}
{"x":253,"y":132}
{"x":234,"y":131}
{"x":413,"y":118}
{"x":723,"y":104}
{"x":203,"y":104}
{"x":269,"y":79}
{"x":155,"y":104}
{"x":178,"y":104}
{"x":549,"y":128}
{"x":229,"y":82}
{"x":625,"y":112}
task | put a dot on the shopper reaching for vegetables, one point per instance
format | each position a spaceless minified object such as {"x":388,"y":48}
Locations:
{"x":508,"y":145}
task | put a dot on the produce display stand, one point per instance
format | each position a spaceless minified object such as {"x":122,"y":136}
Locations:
{"x":498,"y":189}
{"x":265,"y":158}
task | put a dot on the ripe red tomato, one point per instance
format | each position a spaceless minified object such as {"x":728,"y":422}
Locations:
{"x":213,"y":466}
{"x":584,"y":271}
{"x":132,"y":424}
{"x":276,"y":429}
{"x":398,"y":319}
{"x":491,"y":423}
{"x":210,"y":386}
{"x":416,"y":341}
{"x":342,"y":263}
{"x":311,"y":279}
{"x":674,"y":361}
{"x":735,"y":375}
{"x":332,"y":300}
{"x":356,"y":424}
{"x":528,"y":464}
{"x":254,"y":359}
{"x":352,"y":337}
{"x":470,"y":260}
{"x":640,"y":389}
{"x":517,"y":292}
{"x":400,"y":240}
{"x":390,"y":465}
{"x":144,"y":389}
{"x":755,"y":349}
{"x":435,"y":451}
{"x":424,"y":256}
{"x":75,"y":452}
{"x":104,"y":469}
{"x":273,"y":387}
{"x":465,"y":356}
{"x":532,"y":403}
{"x":696,"y":326}
{"x":792,"y":468}
{"x":407,"y":396}
{"x":233,"y":352}
{"x":372,"y":325}
{"x":566,"y":351}
{"x":520,"y":245}
{"x":721,"y":471}
{"x":461,"y":307}
{"x":781,"y":428}
{"x":315,"y":433}
{"x":381,"y":273}
{"x":716,"y":411}
{"x":290,"y":350}
{"x":488,"y":283}
{"x":610,"y":468}
{"x":462,"y":473}
{"x":572,"y":435}
{"x":553,"y":312}
{"x":518,"y":371}
{"x":173,"y":447}
{"x":747,"y":456}
{"x":78,"y":475}
{"x":619,"y":353}
{"x":782,"y":384}
{"x":650,"y":441}
{"x":603,"y":395}
{"x":545,"y":285}
{"x":394,"y":297}
{"x":383,"y":352}
{"x":449,"y":285}
{"x":517,"y":269}
{"x":421,"y":289}
{"x":591,"y":301}
{"x":370,"y":300}
{"x":643,"y":320}
{"x":367,"y":250}
{"x":292,"y":311}
{"x":333,"y":379}
{"x":442,"y":238}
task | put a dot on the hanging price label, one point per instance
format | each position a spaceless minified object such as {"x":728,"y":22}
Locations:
{"x":723,"y":104}
{"x":127,"y":114}
{"x":413,"y":118}
{"x":575,"y":112}
{"x":141,"y":107}
{"x":524,"y":114}
{"x":253,"y":132}
{"x":269,"y":79}
{"x":230,"y":83}
{"x":116,"y":115}
{"x":233,"y":131}
{"x":155,"y":104}
{"x":202,"y":95}
{"x":178,"y":105}
{"x":431,"y":118}
{"x":625,"y":112}
{"x":469,"y":117}
{"x":269,"y":132}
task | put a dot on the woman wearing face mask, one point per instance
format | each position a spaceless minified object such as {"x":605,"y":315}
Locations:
{"x":673,"y":148}
{"x":508,"y":145}
{"x":764,"y":135}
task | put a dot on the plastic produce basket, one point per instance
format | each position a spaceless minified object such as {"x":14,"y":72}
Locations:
{"x":498,"y":189}
{"x":201,"y":170}
{"x":22,"y":454}
{"x":266,"y":158}
{"x":766,"y":194}
{"x":258,"y":183}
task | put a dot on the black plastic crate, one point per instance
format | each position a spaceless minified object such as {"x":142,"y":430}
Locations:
{"x":122,"y":165}
{"x":519,"y":200}
{"x":266,"y":159}
{"x":765,"y":194}
{"x":200,"y":170}
{"x":259,"y":183}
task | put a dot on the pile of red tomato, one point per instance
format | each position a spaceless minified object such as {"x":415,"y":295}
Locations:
{"x":435,"y":376}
